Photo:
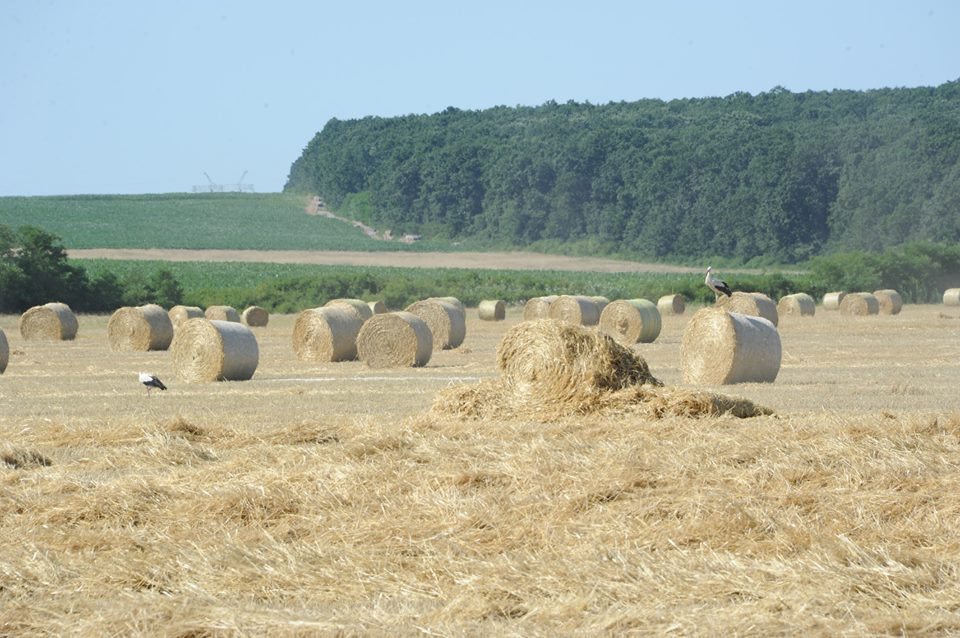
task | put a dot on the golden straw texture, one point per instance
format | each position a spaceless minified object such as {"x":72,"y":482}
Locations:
{"x":377,"y":307}
{"x":4,"y":351}
{"x":447,"y":323}
{"x":859,"y":304}
{"x":575,"y":309}
{"x":327,"y":334}
{"x":720,"y":347}
{"x":671,"y":305}
{"x":359,"y":306}
{"x":222,"y":313}
{"x":951,"y":297}
{"x":50,"y":322}
{"x":255,"y":316}
{"x":891,"y":303}
{"x":213,"y":350}
{"x":799,"y":304}
{"x":538,"y":307}
{"x":139,"y":329}
{"x":831,"y":300}
{"x":750,"y":303}
{"x":179,"y":314}
{"x":631,"y":321}
{"x":395,"y":340}
{"x":492,"y":310}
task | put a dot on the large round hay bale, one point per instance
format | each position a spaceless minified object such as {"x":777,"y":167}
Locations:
{"x":859,"y":304}
{"x":575,"y":309}
{"x":601,"y":303}
{"x":179,"y":314}
{"x":721,"y":347}
{"x":361,"y":307}
{"x":750,"y":303}
{"x":671,"y":305}
{"x":891,"y":303}
{"x":140,"y":328}
{"x":4,"y":351}
{"x":327,"y":334}
{"x":951,"y":297}
{"x":447,"y":324}
{"x":255,"y":316}
{"x":222,"y":313}
{"x":213,"y":350}
{"x":492,"y":310}
{"x":631,"y":321}
{"x":395,"y":340}
{"x":538,"y":307}
{"x":799,"y":304}
{"x":377,"y":307}
{"x":453,"y":300}
{"x":550,"y":361}
{"x":53,"y":321}
{"x":832,"y":300}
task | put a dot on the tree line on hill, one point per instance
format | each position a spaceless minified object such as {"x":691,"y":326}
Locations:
{"x":777,"y":177}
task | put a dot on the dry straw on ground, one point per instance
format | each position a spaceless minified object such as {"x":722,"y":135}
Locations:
{"x":255,"y":316}
{"x":140,"y":328}
{"x":538,"y":307}
{"x":720,"y":347}
{"x":671,"y":305}
{"x":395,"y":340}
{"x":53,"y":321}
{"x":327,"y":334}
{"x":4,"y":352}
{"x":492,"y":310}
{"x":750,"y":303}
{"x":179,"y":314}
{"x":951,"y":297}
{"x":859,"y":304}
{"x":891,"y":303}
{"x":832,"y":300}
{"x":213,"y":350}
{"x":222,"y":313}
{"x":446,"y":321}
{"x":631,"y":321}
{"x":576,"y":309}
{"x":799,"y":304}
{"x":377,"y":307}
{"x":359,"y":306}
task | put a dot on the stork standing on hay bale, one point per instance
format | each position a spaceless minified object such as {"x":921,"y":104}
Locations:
{"x":717,"y":285}
{"x":151,"y":381}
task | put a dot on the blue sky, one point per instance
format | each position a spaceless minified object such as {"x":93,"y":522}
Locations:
{"x":129,"y":96}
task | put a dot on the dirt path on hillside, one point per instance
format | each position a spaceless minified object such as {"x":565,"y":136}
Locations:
{"x":496,"y":260}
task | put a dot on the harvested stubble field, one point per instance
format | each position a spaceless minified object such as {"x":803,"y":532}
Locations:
{"x":328,"y":498}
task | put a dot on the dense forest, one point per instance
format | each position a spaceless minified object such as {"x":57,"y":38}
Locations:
{"x":777,"y":176}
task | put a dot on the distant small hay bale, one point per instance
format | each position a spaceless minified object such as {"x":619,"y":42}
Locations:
{"x":179,"y":314}
{"x":377,"y":307}
{"x":327,"y":334}
{"x":551,"y":361}
{"x":859,"y":304}
{"x":361,"y":307}
{"x":395,"y":340}
{"x":538,"y":307}
{"x":222,"y":313}
{"x":721,"y":347}
{"x":50,"y":322}
{"x":255,"y":316}
{"x":447,"y":323}
{"x":951,"y":297}
{"x":799,"y":304}
{"x":207,"y":350}
{"x":832,"y":300}
{"x":891,"y":303}
{"x":671,"y":305}
{"x":139,"y":329}
{"x":492,"y":310}
{"x":750,"y":303}
{"x":576,"y":309}
{"x":631,"y":321}
{"x":4,"y":352}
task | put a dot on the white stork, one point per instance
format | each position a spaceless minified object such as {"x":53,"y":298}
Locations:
{"x":150,"y":381}
{"x":717,"y":285}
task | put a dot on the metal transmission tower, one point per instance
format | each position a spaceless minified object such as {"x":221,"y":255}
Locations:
{"x":241,"y":187}
{"x":209,"y":187}
{"x":213,"y":187}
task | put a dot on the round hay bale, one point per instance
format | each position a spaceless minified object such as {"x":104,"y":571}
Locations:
{"x":750,"y":303}
{"x":447,"y":324}
{"x":361,"y":307}
{"x":327,"y":334}
{"x":859,"y":304}
{"x":601,"y":303}
{"x":631,"y":321}
{"x":53,"y":321}
{"x":4,"y":351}
{"x":951,"y":297}
{"x":377,"y":307}
{"x":139,"y":329}
{"x":456,"y":302}
{"x":832,"y":300}
{"x":671,"y":305}
{"x":395,"y":340}
{"x":222,"y":313}
{"x":255,"y":316}
{"x":575,"y":309}
{"x":213,"y":350}
{"x":179,"y":314}
{"x":492,"y":310}
{"x":721,"y":347}
{"x":547,"y":361}
{"x":799,"y":304}
{"x":891,"y":303}
{"x":538,"y":307}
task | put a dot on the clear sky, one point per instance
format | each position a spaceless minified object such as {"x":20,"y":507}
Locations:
{"x":138,"y":96}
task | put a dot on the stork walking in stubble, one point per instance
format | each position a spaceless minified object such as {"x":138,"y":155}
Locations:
{"x":717,"y":285}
